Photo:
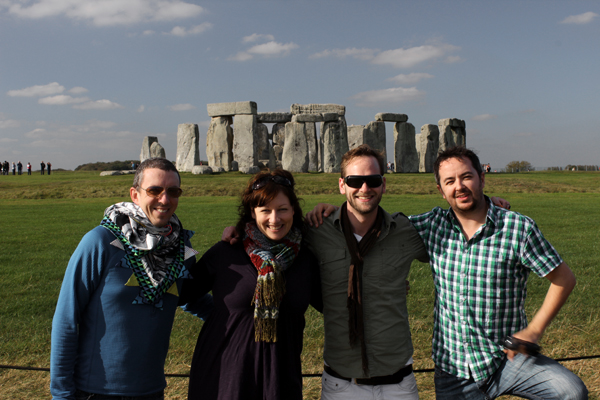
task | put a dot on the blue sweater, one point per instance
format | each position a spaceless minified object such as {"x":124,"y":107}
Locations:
{"x":101,"y":342}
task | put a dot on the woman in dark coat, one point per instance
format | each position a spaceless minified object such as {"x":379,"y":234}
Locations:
{"x":250,"y":346}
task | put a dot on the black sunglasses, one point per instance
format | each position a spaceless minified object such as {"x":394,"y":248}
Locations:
{"x":280,"y":180}
{"x":156,"y":191}
{"x":356,"y":181}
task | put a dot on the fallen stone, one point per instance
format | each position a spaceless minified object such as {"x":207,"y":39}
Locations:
{"x":274,"y":117}
{"x":188,"y":153}
{"x":235,"y":166}
{"x":250,"y":170}
{"x":318,"y":109}
{"x":390,"y":117}
{"x":111,"y":173}
{"x":231,"y":109}
{"x":201,"y":170}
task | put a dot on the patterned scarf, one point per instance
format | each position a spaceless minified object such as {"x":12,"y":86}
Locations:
{"x":271,"y":259}
{"x":358,"y":251}
{"x":157,"y":261}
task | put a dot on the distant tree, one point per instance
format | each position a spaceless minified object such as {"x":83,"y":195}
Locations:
{"x":518,"y":166}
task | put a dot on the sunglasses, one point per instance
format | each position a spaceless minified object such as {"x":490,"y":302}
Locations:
{"x":157,"y":191}
{"x":280,"y":180}
{"x":356,"y":181}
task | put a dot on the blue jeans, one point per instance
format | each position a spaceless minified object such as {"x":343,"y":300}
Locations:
{"x":527,"y":377}
{"x":81,"y":395}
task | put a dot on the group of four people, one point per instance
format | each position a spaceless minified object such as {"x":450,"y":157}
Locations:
{"x":123,"y":283}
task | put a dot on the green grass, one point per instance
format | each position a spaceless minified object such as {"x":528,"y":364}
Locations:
{"x":43,"y":219}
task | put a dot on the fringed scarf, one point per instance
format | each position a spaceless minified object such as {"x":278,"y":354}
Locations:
{"x":271,"y":259}
{"x":157,"y":261}
{"x":358,"y":251}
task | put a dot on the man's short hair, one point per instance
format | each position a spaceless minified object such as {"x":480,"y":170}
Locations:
{"x":459,"y":152}
{"x":156,"y":162}
{"x":364,"y":150}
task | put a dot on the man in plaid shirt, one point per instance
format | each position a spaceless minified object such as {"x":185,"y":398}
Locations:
{"x":481,"y":256}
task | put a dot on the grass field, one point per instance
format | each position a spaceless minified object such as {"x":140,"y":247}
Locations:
{"x":44,"y":217}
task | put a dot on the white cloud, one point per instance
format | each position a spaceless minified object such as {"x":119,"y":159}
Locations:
{"x":484,"y":117}
{"x":580,"y":19}
{"x":392,"y":95}
{"x":98,"y":105}
{"x":410,"y":79}
{"x":141,"y":109}
{"x":269,"y":49}
{"x":256,"y":37}
{"x":361,"y":54}
{"x":78,"y":90}
{"x":107,"y":12}
{"x":181,"y":107}
{"x":407,"y":58}
{"x":37,"y":90}
{"x":196,"y":30}
{"x":272,"y":49}
{"x":62,"y":99}
{"x":9,"y":123}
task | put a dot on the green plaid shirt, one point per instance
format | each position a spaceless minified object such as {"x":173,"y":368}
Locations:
{"x":480,"y":285}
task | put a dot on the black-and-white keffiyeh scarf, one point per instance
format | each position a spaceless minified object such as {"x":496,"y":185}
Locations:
{"x":157,"y":261}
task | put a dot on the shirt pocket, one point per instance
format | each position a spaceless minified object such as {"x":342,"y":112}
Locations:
{"x":334,"y":265}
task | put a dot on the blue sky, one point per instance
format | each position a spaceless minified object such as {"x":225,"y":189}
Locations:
{"x":85,"y":81}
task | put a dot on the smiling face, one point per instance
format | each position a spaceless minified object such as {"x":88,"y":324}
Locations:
{"x":363,"y":200}
{"x":461,"y":185}
{"x":158,"y":209}
{"x":275,"y":218}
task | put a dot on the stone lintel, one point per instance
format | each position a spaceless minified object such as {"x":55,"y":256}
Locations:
{"x":318,"y":109}
{"x":391,"y":117}
{"x":273,"y":117}
{"x":236,"y":108}
{"x":308,"y":118}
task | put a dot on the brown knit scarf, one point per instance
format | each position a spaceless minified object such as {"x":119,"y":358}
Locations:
{"x":358,"y":251}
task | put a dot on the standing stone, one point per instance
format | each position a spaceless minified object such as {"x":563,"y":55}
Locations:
{"x":452,"y":133}
{"x":313,"y":146}
{"x":429,"y":138}
{"x":295,"y":151}
{"x":372,"y":134}
{"x":219,"y":143}
{"x":156,"y":150}
{"x":356,"y":136}
{"x":405,"y":149}
{"x":188,"y":153}
{"x":245,"y":141}
{"x":334,"y":144}
{"x":278,"y":134}
{"x":146,"y":144}
{"x":262,"y":133}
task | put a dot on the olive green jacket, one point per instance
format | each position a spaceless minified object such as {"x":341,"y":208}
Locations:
{"x":385,"y":269}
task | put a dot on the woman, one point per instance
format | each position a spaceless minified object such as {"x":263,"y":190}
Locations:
{"x":249,"y":348}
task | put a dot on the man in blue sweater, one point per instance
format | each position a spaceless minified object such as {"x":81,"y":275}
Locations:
{"x":111,"y":328}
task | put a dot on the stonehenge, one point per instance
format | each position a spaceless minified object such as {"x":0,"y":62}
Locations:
{"x":238,"y":139}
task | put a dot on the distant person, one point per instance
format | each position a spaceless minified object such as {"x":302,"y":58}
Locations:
{"x":20,"y":167}
{"x":133,"y":166}
{"x":5,"y":168}
{"x":49,"y":167}
{"x":113,"y":320}
{"x":28,"y":168}
{"x":43,"y":167}
{"x":250,"y":347}
{"x":14,"y":168}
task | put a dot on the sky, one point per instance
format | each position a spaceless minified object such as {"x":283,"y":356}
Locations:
{"x":86,"y":81}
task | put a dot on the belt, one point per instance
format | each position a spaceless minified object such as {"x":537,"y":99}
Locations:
{"x":375,"y":380}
